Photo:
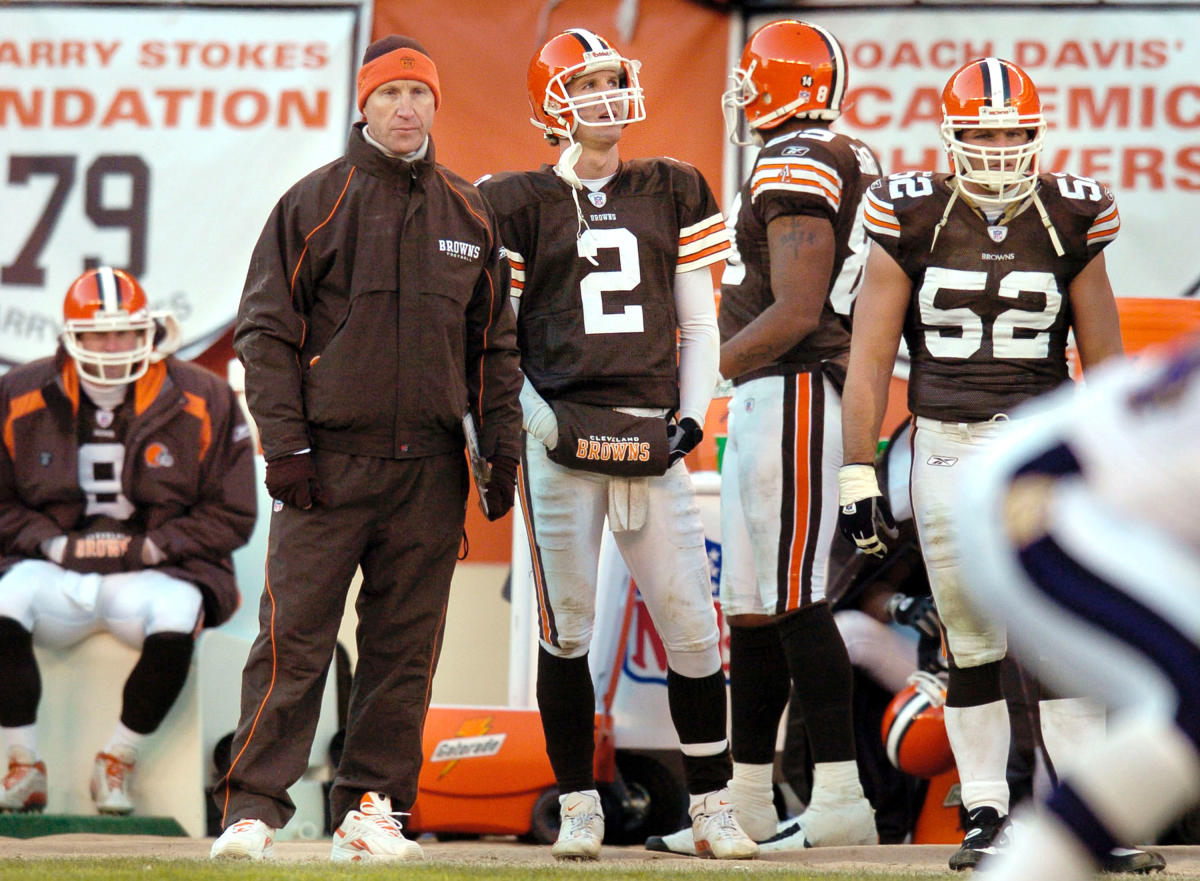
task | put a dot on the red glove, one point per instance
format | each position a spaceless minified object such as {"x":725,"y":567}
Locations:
{"x":501,"y":486}
{"x":293,"y":480}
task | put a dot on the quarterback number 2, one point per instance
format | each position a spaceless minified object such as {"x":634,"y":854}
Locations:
{"x":626,"y":277}
{"x":104,"y":173}
{"x":969,"y":326}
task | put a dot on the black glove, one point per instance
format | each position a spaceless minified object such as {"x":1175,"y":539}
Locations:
{"x":500,"y":486}
{"x":100,"y":547}
{"x":682,"y":437}
{"x":864,"y":512}
{"x":916,"y":612}
{"x":293,"y":480}
{"x":930,"y":654}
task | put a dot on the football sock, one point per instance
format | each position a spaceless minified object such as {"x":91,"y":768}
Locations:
{"x":759,"y":685}
{"x":20,"y":682}
{"x":21,"y":743}
{"x":567,"y":703}
{"x":824,"y":679}
{"x":156,"y":680}
{"x":698,"y":711}
{"x":124,"y":743}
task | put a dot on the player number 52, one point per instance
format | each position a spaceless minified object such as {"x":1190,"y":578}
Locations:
{"x":968,"y":326}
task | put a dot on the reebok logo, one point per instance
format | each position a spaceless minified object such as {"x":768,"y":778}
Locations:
{"x":942,"y":461}
{"x":461,"y":250}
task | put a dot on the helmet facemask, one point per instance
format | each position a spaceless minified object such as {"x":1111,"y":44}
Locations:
{"x":741,"y":93}
{"x":623,"y":105}
{"x":111,"y":367}
{"x":1001,"y":176}
{"x":107,"y":301}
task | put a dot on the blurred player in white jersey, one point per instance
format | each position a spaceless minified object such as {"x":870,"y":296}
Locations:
{"x":984,"y":271}
{"x":1076,"y":533}
{"x":610,"y":262}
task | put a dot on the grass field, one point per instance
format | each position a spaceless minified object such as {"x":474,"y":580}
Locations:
{"x":152,"y":869}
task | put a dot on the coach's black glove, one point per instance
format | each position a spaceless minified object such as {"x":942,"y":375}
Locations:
{"x":99,"y":547}
{"x":682,"y":437}
{"x":500,"y":486}
{"x":864,"y":512}
{"x":292,"y":479}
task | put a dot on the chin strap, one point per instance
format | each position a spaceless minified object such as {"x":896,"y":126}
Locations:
{"x":945,"y":216}
{"x":1058,"y":248}
{"x":565,"y":169}
{"x":1010,"y":212}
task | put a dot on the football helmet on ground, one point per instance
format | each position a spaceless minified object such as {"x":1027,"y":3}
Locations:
{"x":107,"y":300}
{"x":991,"y":93}
{"x":789,"y":69}
{"x":914,"y":728}
{"x":573,"y":53}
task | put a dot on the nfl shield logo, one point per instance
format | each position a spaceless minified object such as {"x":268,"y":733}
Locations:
{"x":597,"y":199}
{"x":998,"y":233}
{"x":104,"y":418}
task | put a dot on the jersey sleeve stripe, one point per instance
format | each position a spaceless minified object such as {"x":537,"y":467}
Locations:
{"x":879,"y":217}
{"x":718,"y":237}
{"x":712,"y":254}
{"x":1105,"y":227}
{"x":706,"y":227}
{"x":813,"y":177}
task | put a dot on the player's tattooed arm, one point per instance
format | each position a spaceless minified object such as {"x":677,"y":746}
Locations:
{"x":801,"y":249}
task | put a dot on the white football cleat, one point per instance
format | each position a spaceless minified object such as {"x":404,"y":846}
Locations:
{"x":244,"y":840}
{"x":373,"y":834}
{"x":715,"y":830}
{"x":582,"y":826}
{"x":24,"y":786}
{"x":109,"y":785}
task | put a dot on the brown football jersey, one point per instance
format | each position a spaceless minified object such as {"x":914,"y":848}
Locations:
{"x":813,"y":172}
{"x":988,"y":321}
{"x":596,"y":315}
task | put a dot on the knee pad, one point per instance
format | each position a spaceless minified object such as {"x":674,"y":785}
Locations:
{"x":695,"y":664}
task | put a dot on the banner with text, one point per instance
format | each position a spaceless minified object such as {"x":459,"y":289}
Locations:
{"x":157,"y":139}
{"x":1119,"y":90}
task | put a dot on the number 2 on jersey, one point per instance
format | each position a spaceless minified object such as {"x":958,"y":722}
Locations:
{"x":626,"y":277}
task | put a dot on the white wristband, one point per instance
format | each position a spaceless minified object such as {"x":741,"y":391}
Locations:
{"x":857,"y":482}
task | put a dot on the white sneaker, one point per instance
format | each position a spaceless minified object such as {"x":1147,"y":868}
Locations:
{"x":582,"y":826}
{"x":681,"y":841}
{"x":24,"y":786}
{"x":244,"y":840}
{"x":110,"y":784}
{"x":373,"y":834}
{"x":715,"y":830}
